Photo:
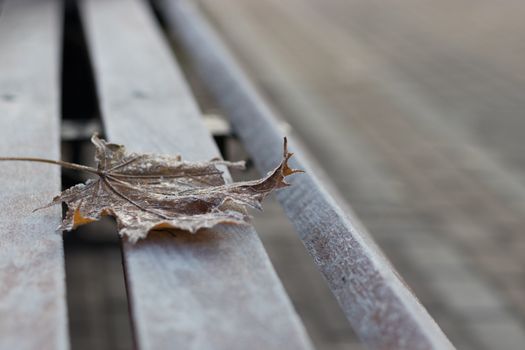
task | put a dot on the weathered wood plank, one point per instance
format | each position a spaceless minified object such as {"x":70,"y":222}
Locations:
{"x":380,"y":307}
{"x":32,"y":288}
{"x":216,"y":289}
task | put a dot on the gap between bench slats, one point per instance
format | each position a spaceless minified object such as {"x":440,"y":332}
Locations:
{"x":213,"y":290}
{"x":382,"y":310}
{"x":32,"y":277}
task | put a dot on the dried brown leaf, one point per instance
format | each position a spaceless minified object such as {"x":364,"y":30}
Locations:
{"x":146,"y":192}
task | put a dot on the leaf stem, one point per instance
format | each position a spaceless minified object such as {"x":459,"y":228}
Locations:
{"x":55,"y":162}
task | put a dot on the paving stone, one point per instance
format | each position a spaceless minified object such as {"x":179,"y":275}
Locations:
{"x":498,"y":335}
{"x":472,"y":298}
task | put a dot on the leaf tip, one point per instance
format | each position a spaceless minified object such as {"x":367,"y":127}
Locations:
{"x":286,"y":170}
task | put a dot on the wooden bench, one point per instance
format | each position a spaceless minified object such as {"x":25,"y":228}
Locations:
{"x":214,"y":290}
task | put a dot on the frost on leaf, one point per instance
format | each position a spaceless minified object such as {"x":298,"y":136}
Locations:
{"x":145,"y":192}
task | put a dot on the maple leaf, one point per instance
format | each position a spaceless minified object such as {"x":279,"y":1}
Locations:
{"x":146,"y":192}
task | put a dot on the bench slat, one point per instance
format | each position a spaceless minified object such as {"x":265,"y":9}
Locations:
{"x":216,"y":289}
{"x":380,"y":307}
{"x":32,"y":277}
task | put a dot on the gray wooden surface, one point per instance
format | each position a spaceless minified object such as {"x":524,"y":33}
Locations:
{"x":382,"y":310}
{"x":216,"y":289}
{"x":414,"y":108}
{"x":32,"y":291}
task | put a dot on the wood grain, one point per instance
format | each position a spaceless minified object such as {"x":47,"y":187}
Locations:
{"x":32,"y":286}
{"x":217,"y":288}
{"x":381,"y":308}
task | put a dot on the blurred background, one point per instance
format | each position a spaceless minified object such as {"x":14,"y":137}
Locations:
{"x":415,"y":109}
